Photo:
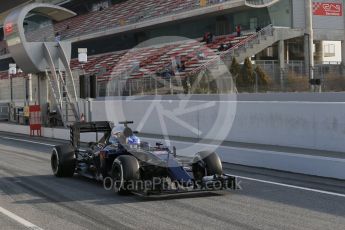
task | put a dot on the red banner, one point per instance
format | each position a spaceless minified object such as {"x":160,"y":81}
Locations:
{"x":327,"y":9}
{"x":8,"y":28}
{"x":35,"y":120}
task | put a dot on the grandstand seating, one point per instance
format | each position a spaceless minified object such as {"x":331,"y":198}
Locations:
{"x":156,"y":59}
{"x":124,"y":13}
{"x":146,"y":61}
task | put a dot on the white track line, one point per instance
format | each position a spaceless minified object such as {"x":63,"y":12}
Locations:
{"x":19,"y":220}
{"x":292,"y":186}
{"x":32,"y":142}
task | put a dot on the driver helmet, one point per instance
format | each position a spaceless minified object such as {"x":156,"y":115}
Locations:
{"x":133,"y":140}
{"x":116,"y":134}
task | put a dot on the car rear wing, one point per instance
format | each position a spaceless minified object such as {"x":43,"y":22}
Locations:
{"x":88,"y":127}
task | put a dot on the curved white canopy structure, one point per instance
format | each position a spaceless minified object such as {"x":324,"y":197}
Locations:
{"x":260,"y":3}
{"x":28,"y":55}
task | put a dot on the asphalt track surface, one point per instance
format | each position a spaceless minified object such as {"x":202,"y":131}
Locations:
{"x":30,"y":197}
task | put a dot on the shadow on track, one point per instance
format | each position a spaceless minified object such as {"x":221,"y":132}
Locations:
{"x":49,"y":189}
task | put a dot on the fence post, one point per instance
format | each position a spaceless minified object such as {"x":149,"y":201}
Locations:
{"x":256,"y":82}
{"x":282,"y":79}
{"x":142,"y":85}
{"x":130,"y":87}
{"x":118,"y":87}
{"x":170,"y":85}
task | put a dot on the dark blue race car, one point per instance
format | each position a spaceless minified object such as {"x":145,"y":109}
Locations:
{"x":126,"y":164}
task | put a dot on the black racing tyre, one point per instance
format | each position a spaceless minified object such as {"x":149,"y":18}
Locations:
{"x":206,"y":164}
{"x":125,"y":173}
{"x":63,"y":161}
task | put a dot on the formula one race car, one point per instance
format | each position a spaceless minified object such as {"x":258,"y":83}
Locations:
{"x":128,"y":165}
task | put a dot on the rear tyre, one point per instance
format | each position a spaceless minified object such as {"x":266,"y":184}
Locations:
{"x":63,"y":161}
{"x":125,"y":173}
{"x":206,"y":164}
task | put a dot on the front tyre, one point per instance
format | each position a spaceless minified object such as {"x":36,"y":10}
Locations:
{"x":63,"y":161}
{"x":125,"y":173}
{"x":206,"y":164}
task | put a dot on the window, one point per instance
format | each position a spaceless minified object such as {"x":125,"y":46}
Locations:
{"x":253,"y":23}
{"x":329,"y":50}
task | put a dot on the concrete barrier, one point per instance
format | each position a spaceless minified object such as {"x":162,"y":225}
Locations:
{"x":55,"y":133}
{"x":311,"y":125}
{"x":291,"y":162}
{"x":301,"y":124}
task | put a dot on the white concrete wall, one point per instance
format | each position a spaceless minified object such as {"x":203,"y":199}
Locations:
{"x":18,"y":89}
{"x":314,"y":125}
{"x":55,"y":133}
{"x":5,"y":89}
{"x":292,"y":162}
{"x":18,"y":85}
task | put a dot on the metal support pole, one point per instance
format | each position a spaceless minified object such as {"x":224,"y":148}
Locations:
{"x":343,"y":53}
{"x":11,"y":86}
{"x":89,"y":101}
{"x":287,"y":53}
{"x":310,"y":33}
{"x":38,"y":90}
{"x":29,"y":88}
{"x":281,"y":62}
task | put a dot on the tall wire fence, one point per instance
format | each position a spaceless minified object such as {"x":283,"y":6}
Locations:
{"x":293,"y":78}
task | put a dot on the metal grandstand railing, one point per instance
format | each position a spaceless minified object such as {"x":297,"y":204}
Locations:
{"x":158,"y":85}
{"x":148,"y":85}
{"x":291,"y":79}
{"x":240,"y":47}
{"x":248,"y":42}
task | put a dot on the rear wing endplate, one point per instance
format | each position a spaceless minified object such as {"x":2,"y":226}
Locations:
{"x":87,"y":127}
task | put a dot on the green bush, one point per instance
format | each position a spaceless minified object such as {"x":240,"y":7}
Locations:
{"x":245,"y":80}
{"x":235,"y":68}
{"x":263,"y":80}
